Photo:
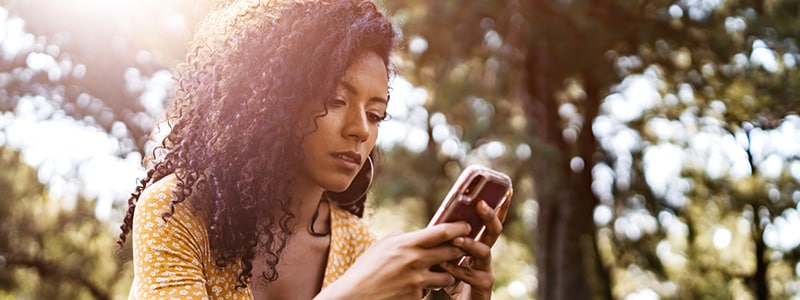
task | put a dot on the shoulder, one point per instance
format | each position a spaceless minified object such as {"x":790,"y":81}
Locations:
{"x":155,"y":201}
{"x":170,"y":255}
{"x":158,"y":193}
{"x":182,"y":231}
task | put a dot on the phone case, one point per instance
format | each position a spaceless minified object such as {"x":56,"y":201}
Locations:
{"x":475,"y":183}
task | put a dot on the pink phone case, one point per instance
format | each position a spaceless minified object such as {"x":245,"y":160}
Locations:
{"x":474,"y":184}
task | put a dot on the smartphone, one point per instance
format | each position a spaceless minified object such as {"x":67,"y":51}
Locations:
{"x":474,"y":184}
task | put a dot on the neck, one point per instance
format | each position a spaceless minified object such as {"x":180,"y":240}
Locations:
{"x":305,"y":202}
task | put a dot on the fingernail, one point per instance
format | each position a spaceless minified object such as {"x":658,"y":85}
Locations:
{"x":469,"y":228}
{"x":458,"y":241}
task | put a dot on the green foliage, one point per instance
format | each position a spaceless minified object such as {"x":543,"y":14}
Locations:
{"x":546,"y":67}
{"x":49,"y":251}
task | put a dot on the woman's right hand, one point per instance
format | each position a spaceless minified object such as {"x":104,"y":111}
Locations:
{"x":398,"y":266}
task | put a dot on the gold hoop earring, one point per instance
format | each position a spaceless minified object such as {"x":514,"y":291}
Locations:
{"x":371,"y":176}
{"x":355,"y":200}
{"x":326,"y":197}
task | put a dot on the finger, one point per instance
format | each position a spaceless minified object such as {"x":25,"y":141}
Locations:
{"x":476,"y":278}
{"x":477,"y":250}
{"x":437,"y":280}
{"x":493,"y":225}
{"x":438,"y":234}
{"x":390,"y":239}
{"x":440,"y":254}
{"x":480,"y":254}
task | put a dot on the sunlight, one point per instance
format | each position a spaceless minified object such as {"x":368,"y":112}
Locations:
{"x":764,"y":57}
{"x":721,"y":237}
{"x":517,"y":289}
{"x":662,"y":166}
{"x":61,"y":146}
{"x":782,"y":234}
{"x":646,"y":294}
{"x":408,"y":120}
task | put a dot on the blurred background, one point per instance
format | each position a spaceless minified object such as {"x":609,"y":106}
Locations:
{"x":654,"y":145}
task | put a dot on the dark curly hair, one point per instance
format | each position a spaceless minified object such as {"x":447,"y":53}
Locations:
{"x":257,"y":74}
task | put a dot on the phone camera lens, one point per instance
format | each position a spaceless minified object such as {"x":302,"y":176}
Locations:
{"x":473,"y":184}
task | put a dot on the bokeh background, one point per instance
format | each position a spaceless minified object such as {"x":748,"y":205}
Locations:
{"x":654,"y":145}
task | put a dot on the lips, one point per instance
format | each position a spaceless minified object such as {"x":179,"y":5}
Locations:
{"x":351,"y":159}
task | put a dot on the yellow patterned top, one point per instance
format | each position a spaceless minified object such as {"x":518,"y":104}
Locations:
{"x":172,"y":260}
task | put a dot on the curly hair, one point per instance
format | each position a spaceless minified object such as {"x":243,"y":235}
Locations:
{"x":257,"y":74}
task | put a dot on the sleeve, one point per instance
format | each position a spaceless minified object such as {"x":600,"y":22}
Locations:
{"x":168,"y":256}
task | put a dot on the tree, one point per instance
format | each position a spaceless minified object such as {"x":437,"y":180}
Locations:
{"x":558,"y":61}
{"x":48,"y":251}
{"x":103,"y":63}
{"x":534,"y":87}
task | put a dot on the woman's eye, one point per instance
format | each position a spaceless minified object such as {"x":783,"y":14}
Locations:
{"x":336,"y":102}
{"x":376,"y":118}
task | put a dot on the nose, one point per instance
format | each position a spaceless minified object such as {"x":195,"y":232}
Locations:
{"x":357,"y":125}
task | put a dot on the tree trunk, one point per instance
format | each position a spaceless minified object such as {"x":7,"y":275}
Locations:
{"x":566,"y":254}
{"x":760,"y":277}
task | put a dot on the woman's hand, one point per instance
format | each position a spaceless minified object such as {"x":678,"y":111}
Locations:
{"x":398,"y":266}
{"x":476,"y":274}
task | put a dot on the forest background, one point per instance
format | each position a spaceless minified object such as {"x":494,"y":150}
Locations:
{"x":654,"y":145}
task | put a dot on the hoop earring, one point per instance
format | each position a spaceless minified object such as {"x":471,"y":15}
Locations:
{"x":363,"y":194}
{"x":369,"y":185}
{"x":356,"y":199}
{"x":327,"y":198}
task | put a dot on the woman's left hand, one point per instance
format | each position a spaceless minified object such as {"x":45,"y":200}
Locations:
{"x":475,"y":274}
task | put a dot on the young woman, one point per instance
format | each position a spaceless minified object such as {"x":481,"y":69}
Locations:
{"x":258,"y":188}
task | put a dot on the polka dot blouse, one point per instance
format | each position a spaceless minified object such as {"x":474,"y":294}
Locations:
{"x":173,"y":260}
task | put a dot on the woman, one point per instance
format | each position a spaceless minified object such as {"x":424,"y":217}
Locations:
{"x":260,"y":184}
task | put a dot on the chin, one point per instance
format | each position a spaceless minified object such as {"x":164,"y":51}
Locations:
{"x":336,"y":183}
{"x":337,"y":187}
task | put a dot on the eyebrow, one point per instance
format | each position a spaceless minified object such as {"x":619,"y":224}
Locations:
{"x":350,"y":88}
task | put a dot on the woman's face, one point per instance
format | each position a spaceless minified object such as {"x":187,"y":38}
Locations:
{"x":335,"y":152}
